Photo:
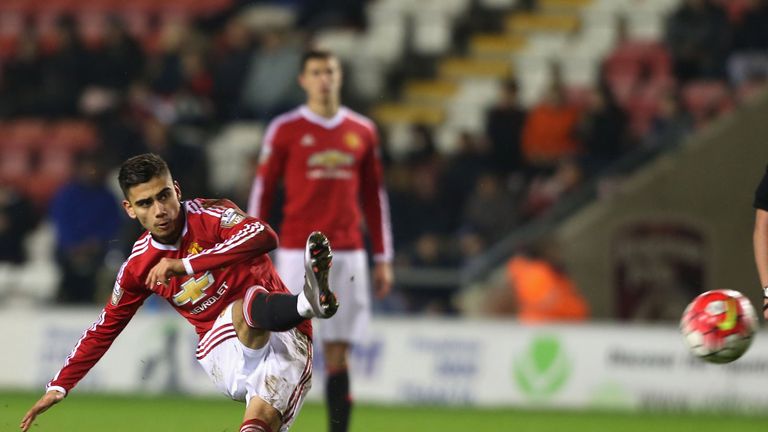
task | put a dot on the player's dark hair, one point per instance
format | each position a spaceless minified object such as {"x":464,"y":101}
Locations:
{"x":315,"y":54}
{"x":140,"y":169}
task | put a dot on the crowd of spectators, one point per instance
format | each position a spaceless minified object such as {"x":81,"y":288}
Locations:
{"x":169,"y":83}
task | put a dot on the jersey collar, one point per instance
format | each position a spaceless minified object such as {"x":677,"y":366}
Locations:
{"x":328,"y":123}
{"x":175,"y":246}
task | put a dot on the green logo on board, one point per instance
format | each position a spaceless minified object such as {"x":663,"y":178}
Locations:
{"x":543,"y":369}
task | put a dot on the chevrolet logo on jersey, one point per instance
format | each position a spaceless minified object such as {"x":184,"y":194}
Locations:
{"x":193,"y":290}
{"x":331,"y":159}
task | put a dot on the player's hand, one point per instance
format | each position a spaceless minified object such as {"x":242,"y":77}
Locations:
{"x":382,"y":279}
{"x":49,"y":399}
{"x":163,"y":271}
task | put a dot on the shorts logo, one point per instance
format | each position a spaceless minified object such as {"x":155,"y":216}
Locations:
{"x":231,"y":217}
{"x":117,"y":294}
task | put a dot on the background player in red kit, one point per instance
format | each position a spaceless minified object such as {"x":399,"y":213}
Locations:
{"x":209,"y":261}
{"x":328,"y":159}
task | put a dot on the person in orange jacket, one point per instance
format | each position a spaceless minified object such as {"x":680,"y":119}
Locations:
{"x":541,"y":290}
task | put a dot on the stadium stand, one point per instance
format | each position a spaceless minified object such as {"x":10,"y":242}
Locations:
{"x":434,"y":66}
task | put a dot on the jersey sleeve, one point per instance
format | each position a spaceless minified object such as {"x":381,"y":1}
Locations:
{"x":761,"y":194}
{"x":272,"y":160}
{"x":376,"y":202}
{"x":238,"y":237}
{"x":127,"y":297}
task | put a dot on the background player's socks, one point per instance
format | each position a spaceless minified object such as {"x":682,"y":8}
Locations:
{"x":339,"y":400}
{"x":255,"y":425}
{"x":270,"y":311}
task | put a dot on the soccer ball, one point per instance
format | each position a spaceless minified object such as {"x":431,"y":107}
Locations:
{"x":718,"y":325}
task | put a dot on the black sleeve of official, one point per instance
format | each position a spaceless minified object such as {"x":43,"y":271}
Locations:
{"x":761,"y":194}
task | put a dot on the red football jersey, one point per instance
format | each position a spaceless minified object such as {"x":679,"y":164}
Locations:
{"x":330,"y":167}
{"x":224,"y":252}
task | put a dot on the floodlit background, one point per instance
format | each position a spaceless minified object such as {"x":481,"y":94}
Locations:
{"x":619,"y":142}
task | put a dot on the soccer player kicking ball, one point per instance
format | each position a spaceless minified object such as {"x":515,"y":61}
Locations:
{"x":209,"y":260}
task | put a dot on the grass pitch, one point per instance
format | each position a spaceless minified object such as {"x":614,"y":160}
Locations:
{"x":83,"y":412}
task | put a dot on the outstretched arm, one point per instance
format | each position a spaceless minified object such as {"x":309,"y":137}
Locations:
{"x":760,"y":244}
{"x":49,"y":399}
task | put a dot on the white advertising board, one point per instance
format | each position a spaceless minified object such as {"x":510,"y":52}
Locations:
{"x":421,"y":361}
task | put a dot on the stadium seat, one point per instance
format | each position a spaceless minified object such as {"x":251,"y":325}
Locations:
{"x":56,"y":163}
{"x":27,"y":134}
{"x":434,"y":91}
{"x":73,"y":136}
{"x":496,"y":46}
{"x":458,"y":68}
{"x":40,"y":189}
{"x":92,"y":27}
{"x":408,"y":113}
{"x":529,"y":22}
{"x":15,"y":166}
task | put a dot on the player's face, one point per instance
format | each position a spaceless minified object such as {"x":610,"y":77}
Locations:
{"x":321,"y":79}
{"x":157,"y":207}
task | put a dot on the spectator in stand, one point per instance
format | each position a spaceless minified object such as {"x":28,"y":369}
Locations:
{"x":549,"y":133}
{"x":431,"y":252}
{"x":670,"y":125}
{"x":119,"y":61}
{"x":748,"y":61}
{"x":17,"y":220}
{"x":66,"y":71}
{"x":318,"y":14}
{"x":165,"y":69}
{"x":187,"y":162}
{"x":603,"y":131}
{"x":698,"y":35}
{"x":230,"y":68}
{"x":546,"y":189}
{"x":504,"y":128}
{"x":86,"y":217}
{"x":461,"y":173}
{"x":491,"y":210}
{"x":269,"y":87}
{"x":21,"y":79}
{"x":539,"y":289}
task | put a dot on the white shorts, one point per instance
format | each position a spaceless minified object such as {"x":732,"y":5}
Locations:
{"x":349,"y":279}
{"x":280,"y":373}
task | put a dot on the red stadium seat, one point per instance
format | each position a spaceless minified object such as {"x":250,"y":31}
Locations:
{"x":15,"y":166}
{"x":73,"y":136}
{"x":15,"y":6}
{"x":11,"y":25}
{"x":56,"y":163}
{"x":40,"y":189}
{"x":25,"y":134}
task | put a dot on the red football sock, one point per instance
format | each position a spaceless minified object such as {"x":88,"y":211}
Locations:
{"x":255,"y":425}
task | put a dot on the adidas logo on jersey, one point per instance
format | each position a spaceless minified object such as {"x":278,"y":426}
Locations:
{"x":307,"y":140}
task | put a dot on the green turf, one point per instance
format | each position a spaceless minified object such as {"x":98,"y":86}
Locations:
{"x":86,"y":413}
